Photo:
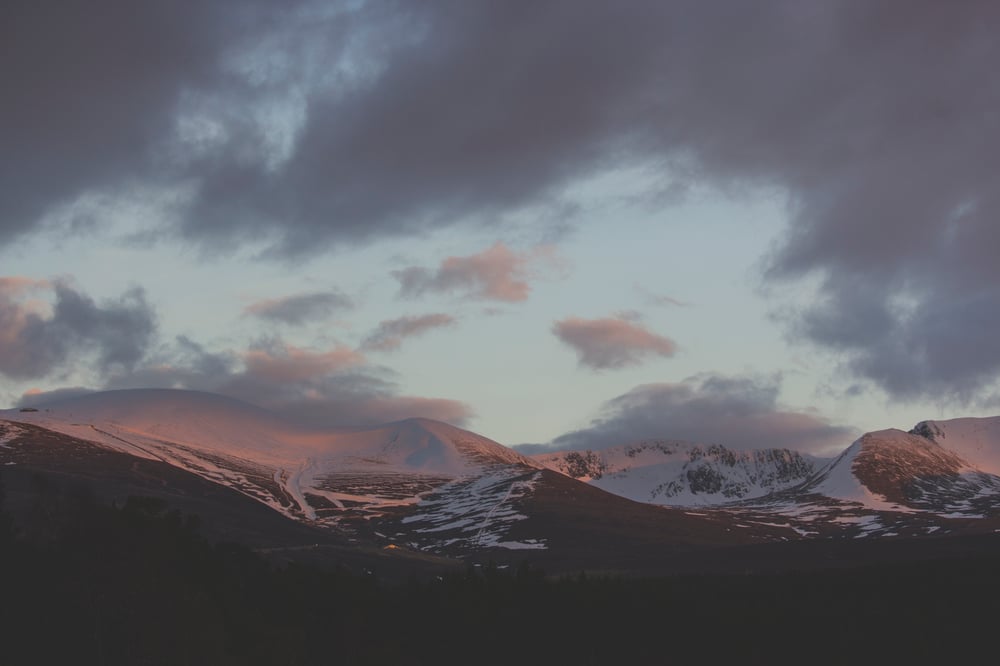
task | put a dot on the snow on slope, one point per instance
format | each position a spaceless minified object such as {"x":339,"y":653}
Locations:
{"x":203,"y":421}
{"x":892,"y":470}
{"x":977,"y":440}
{"x":684,"y":474}
{"x":314,"y":474}
{"x":838,"y":480}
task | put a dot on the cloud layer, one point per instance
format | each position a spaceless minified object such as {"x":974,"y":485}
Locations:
{"x":331,"y":388}
{"x":310,"y":125}
{"x":737,"y":412}
{"x":612,"y":342}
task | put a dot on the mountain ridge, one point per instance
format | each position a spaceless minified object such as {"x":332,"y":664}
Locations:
{"x":425,"y":486}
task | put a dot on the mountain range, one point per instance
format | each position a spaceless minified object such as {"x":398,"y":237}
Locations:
{"x":421,"y":493}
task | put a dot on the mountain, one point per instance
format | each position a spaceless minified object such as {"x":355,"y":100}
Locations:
{"x":413,"y":486}
{"x":421,"y":493}
{"x":939,"y":478}
{"x":894,"y":483}
{"x":682,"y":473}
{"x":325,"y":477}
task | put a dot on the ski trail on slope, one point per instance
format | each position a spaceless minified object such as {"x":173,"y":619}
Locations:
{"x":489,"y":515}
{"x":151,"y":454}
{"x":293,"y":487}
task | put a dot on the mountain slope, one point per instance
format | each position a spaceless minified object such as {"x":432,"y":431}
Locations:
{"x":676,"y":473}
{"x":423,"y":488}
{"x":322,"y":476}
{"x":411,"y":486}
{"x":896,"y":470}
{"x":976,"y":440}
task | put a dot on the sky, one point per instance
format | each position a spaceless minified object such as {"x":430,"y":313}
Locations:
{"x":565,"y":224}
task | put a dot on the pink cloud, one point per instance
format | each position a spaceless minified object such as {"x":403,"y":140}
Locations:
{"x":322,"y":388}
{"x":16,"y":284}
{"x":496,"y":274}
{"x":287,"y":364}
{"x":366,"y":410}
{"x":612,"y":342}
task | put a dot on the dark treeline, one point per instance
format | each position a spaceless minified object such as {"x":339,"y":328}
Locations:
{"x":86,"y":583}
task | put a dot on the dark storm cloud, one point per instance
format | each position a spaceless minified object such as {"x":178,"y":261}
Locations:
{"x":38,"y":339}
{"x":878,"y":120}
{"x":389,"y":334}
{"x":91,"y":90}
{"x":299,"y":309}
{"x":737,"y":412}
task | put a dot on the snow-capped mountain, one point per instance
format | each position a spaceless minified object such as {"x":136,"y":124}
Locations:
{"x":920,"y":470}
{"x":891,"y":483}
{"x":417,"y":487}
{"x":404,"y":489}
{"x":935,"y":479}
{"x":677,"y":473}
{"x":330,"y":477}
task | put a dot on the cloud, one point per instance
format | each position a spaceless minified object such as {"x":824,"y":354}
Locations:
{"x":311,"y":125}
{"x":36,"y":397}
{"x":348,"y":409}
{"x":88,"y":117}
{"x":497,"y":274}
{"x":389,"y":334}
{"x":281,"y":363}
{"x":38,"y":338}
{"x":299,"y":309}
{"x":737,"y":412}
{"x":612,"y":342}
{"x":323,"y":388}
{"x":652,"y":298}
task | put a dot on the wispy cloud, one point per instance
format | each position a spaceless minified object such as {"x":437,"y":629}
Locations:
{"x":389,"y":334}
{"x":299,"y":309}
{"x":657,"y":299}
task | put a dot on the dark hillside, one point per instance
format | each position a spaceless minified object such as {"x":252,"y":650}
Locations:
{"x":138,"y":584}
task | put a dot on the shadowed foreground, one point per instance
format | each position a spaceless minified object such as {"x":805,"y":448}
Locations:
{"x":86,"y":583}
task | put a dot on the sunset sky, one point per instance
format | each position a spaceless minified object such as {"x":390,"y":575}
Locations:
{"x":560,"y":223}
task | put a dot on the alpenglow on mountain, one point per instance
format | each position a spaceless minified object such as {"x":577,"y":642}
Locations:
{"x":418,"y":488}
